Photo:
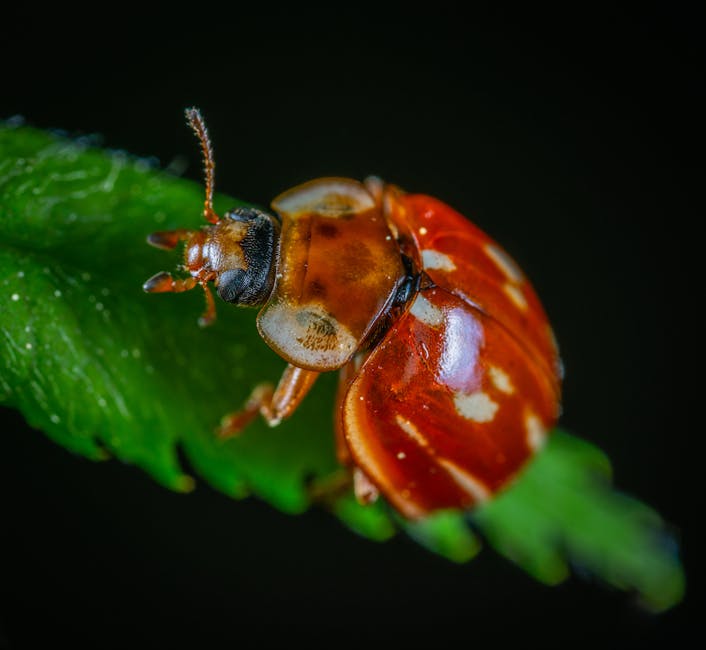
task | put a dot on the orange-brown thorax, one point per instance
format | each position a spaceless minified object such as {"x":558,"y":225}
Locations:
{"x":338,"y":274}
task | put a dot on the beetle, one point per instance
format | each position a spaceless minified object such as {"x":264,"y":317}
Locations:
{"x":450,"y":376}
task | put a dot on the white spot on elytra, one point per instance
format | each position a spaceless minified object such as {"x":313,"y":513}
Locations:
{"x":401,"y":455}
{"x":423,"y":231}
{"x":500,"y":379}
{"x":504,"y":262}
{"x":435,"y":260}
{"x":28,"y":346}
{"x":423,"y":310}
{"x":477,"y":406}
{"x":15,"y":297}
{"x":473,"y":486}
{"x":536,"y":433}
{"x":516,"y":295}
{"x":411,"y":431}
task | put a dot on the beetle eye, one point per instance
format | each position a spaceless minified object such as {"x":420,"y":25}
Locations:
{"x":232,"y":284}
{"x":242,"y":214}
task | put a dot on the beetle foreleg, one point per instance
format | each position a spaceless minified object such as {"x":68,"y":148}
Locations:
{"x":168,"y":239}
{"x":209,"y":314}
{"x":274,"y":405}
{"x":163,"y":282}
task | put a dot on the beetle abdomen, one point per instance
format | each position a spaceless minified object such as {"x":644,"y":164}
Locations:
{"x":459,"y":256}
{"x":446,"y":408}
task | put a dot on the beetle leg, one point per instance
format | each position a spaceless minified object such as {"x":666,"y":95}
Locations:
{"x":168,"y":239}
{"x":209,"y":315}
{"x":273,"y":405}
{"x":258,"y":402}
{"x":364,"y":489}
{"x":327,"y":489}
{"x":163,"y":282}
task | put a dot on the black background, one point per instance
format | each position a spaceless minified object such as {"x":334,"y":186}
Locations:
{"x":575,"y":140}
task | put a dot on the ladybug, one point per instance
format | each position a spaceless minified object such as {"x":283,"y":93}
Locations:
{"x":449,"y":372}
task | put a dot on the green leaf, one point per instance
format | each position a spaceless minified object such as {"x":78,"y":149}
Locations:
{"x":564,"y":508}
{"x":105,"y":370}
{"x":446,"y":533}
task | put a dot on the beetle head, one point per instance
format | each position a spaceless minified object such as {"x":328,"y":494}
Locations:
{"x":237,"y":252}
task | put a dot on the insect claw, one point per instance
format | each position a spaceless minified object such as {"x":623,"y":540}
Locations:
{"x":158,"y":283}
{"x":232,"y":425}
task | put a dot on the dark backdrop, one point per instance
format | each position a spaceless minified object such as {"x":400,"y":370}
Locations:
{"x":572,"y":139}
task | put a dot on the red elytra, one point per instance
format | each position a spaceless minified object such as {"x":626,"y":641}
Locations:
{"x":449,"y":371}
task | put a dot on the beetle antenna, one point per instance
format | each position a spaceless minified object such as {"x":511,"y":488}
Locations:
{"x":193,"y":115}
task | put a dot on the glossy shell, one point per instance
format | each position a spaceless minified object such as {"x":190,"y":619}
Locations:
{"x":464,"y":386}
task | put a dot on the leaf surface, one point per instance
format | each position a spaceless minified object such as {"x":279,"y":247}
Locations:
{"x":106,"y":370}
